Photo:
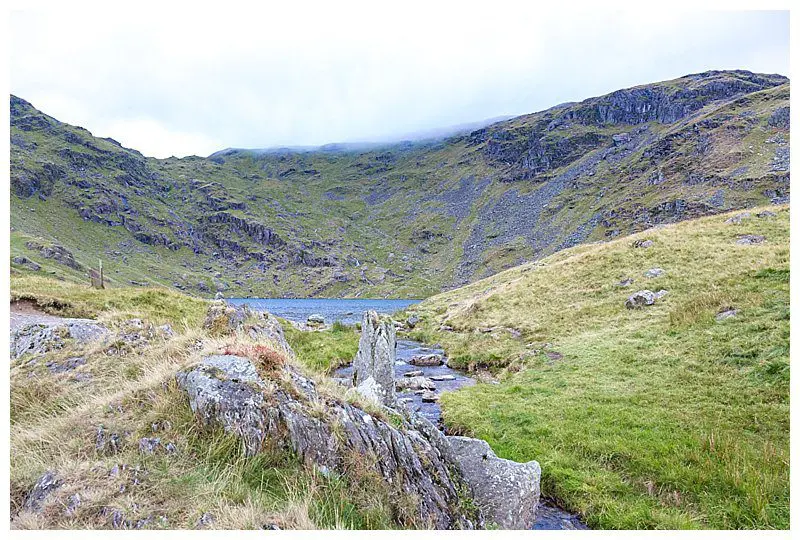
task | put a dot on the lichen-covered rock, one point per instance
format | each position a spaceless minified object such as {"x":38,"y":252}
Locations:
{"x":640,"y":299}
{"x":224,"y":319}
{"x":228,"y":391}
{"x":415,"y":383}
{"x":738,"y":218}
{"x":44,"y":486}
{"x":376,"y":356}
{"x":42,"y":337}
{"x":654,"y":273}
{"x":750,"y":239}
{"x":427,"y":360}
{"x":507,"y":492}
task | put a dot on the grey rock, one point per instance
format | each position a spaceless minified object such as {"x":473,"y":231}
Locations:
{"x":227,"y":391}
{"x":414,"y":373}
{"x":654,"y":273}
{"x":738,"y":218}
{"x":627,"y":282}
{"x":640,"y":299}
{"x":315,"y":319}
{"x":428,"y":396}
{"x":376,"y":356}
{"x":442,"y":377}
{"x":766,"y":214}
{"x":726,"y":314}
{"x":43,"y":337}
{"x":750,"y":239}
{"x":60,"y":254}
{"x":204,"y":521}
{"x":661,"y":294}
{"x":73,"y":502}
{"x":507,"y":492}
{"x":412,"y":321}
{"x":27,"y":263}
{"x":415,"y":383}
{"x":427,"y":360}
{"x":166,"y":330}
{"x":107,"y":442}
{"x":643,"y":244}
{"x":148,"y":445}
{"x":44,"y":486}
{"x":68,"y":365}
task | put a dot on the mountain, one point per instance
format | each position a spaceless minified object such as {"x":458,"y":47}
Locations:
{"x":404,"y":220}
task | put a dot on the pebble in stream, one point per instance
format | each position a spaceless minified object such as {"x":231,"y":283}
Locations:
{"x":549,"y":516}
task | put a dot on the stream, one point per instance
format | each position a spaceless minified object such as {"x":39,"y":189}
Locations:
{"x":549,"y":515}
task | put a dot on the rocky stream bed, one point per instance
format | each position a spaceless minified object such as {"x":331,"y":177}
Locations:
{"x":549,"y":515}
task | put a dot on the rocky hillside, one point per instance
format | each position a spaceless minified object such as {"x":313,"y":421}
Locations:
{"x":402,"y":220}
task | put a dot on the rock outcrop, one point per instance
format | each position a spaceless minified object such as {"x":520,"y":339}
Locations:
{"x":507,"y":492}
{"x":42,"y":337}
{"x":329,"y":434}
{"x":223,"y":318}
{"x":373,"y":367}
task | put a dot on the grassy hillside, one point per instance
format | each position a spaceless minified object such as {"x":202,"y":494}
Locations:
{"x":661,"y":417}
{"x":64,"y":421}
{"x":401,"y":220}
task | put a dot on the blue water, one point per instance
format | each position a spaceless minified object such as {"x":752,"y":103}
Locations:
{"x":349,"y":310}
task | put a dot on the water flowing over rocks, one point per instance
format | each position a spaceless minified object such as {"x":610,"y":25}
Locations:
{"x":373,"y":367}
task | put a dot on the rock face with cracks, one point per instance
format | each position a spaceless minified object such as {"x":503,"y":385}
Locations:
{"x":287,"y":411}
{"x":373,"y":367}
{"x":506,"y":491}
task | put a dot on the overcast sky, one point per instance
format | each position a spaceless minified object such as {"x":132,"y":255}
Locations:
{"x":181,"y":83}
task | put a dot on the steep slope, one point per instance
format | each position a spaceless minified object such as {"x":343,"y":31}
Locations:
{"x":673,"y":415}
{"x":407,"y":219}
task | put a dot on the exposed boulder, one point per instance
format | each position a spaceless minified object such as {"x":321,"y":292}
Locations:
{"x":414,"y":458}
{"x":376,"y":357}
{"x":427,"y":360}
{"x":750,"y":239}
{"x":641,"y":299}
{"x":42,"y":337}
{"x":507,"y":492}
{"x":224,"y":319}
{"x":738,"y":218}
{"x":415,"y":383}
{"x":412,"y":321}
{"x":655,"y":272}
{"x":726,"y":314}
{"x":643,"y":243}
{"x":766,"y":214}
{"x":315,"y":319}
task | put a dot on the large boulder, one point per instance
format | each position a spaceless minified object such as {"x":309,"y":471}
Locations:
{"x":373,"y":366}
{"x":409,"y":454}
{"x":427,"y":360}
{"x":506,"y":492}
{"x":223,"y":319}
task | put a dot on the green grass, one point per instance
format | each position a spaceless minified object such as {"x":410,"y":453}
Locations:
{"x":325,"y":350}
{"x":654,"y":418}
{"x":70,"y":299}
